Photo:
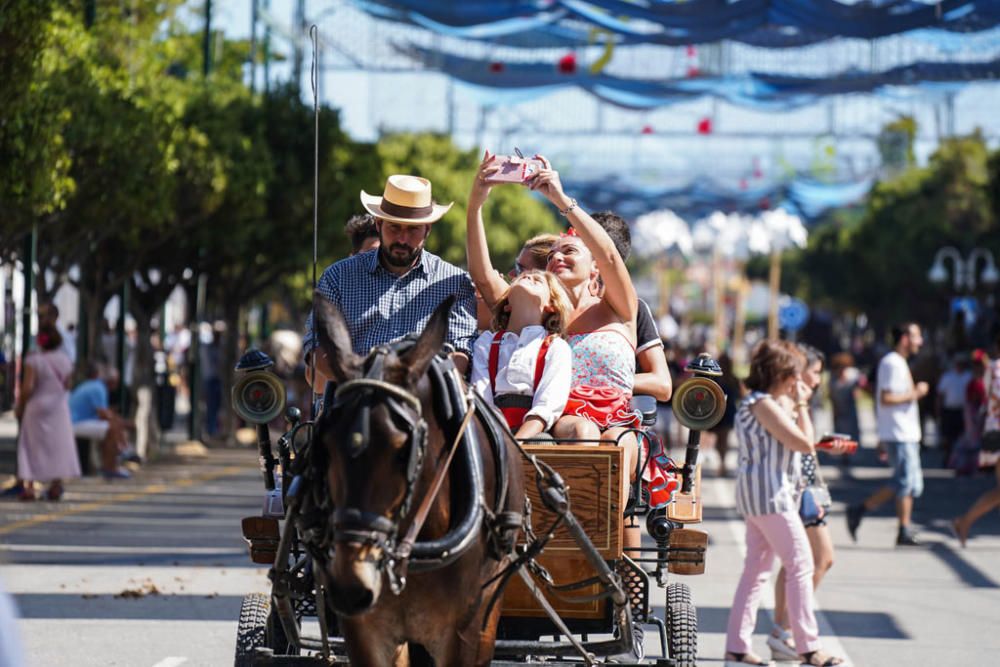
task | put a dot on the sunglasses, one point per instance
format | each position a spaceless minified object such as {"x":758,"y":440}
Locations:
{"x":516,"y":270}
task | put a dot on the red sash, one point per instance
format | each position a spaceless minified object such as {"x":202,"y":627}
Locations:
{"x":515,"y":415}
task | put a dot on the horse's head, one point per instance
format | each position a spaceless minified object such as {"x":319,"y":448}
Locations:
{"x":373,"y":440}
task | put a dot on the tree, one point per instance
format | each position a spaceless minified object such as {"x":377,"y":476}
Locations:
{"x":878,"y":263}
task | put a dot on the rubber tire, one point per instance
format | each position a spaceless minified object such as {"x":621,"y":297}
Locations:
{"x":682,"y":634}
{"x":251,"y":633}
{"x":678,"y":593}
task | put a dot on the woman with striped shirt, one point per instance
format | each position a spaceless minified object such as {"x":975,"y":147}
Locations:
{"x":774,"y":429}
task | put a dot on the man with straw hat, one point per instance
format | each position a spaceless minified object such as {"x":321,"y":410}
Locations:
{"x":391,"y":291}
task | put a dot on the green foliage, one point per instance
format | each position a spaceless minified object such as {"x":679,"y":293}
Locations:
{"x":876,"y":261}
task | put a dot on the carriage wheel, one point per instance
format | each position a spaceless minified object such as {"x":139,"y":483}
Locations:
{"x":251,"y":632}
{"x":259,"y":627}
{"x":678,"y":593}
{"x":682,"y":634}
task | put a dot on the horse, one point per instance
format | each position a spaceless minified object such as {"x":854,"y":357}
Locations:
{"x":384,"y":441}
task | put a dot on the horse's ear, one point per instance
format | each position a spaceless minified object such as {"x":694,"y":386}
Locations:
{"x":418,"y":358}
{"x":335,"y":340}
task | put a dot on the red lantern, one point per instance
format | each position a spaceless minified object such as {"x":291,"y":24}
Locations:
{"x":692,"y":51}
{"x":647,"y":129}
{"x":705,"y":126}
{"x":496,"y":67}
{"x":693,"y":71}
{"x":567,"y":64}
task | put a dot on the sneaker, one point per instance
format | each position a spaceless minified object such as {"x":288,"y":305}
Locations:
{"x":12,"y":491}
{"x":782,"y":649}
{"x":117,"y":473}
{"x":907,"y":538}
{"x":854,"y":514}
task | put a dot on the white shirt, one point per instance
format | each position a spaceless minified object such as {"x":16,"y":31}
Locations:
{"x":69,"y":342}
{"x":516,"y":371}
{"x":901,"y":422}
{"x":952,"y":387}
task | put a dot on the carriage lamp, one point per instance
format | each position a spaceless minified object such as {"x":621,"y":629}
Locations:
{"x":699,"y":404}
{"x":258,"y":397}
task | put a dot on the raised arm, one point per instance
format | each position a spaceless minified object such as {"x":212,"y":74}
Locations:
{"x":619,"y":293}
{"x":486,"y":279}
{"x":795,"y":434}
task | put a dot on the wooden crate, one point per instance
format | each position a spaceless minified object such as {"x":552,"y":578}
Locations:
{"x":594,"y":477}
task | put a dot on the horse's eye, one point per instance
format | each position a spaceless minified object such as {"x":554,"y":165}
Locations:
{"x":403,"y":456}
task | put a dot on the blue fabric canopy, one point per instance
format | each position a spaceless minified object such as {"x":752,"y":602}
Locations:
{"x":759,"y":90}
{"x":766,"y":23}
{"x":803,"y":196}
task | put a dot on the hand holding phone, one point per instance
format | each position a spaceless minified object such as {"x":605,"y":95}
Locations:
{"x":837,"y":443}
{"x":514,"y":168}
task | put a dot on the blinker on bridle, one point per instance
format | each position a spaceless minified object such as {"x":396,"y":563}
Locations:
{"x":354,"y":525}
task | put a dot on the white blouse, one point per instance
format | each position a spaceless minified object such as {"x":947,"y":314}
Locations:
{"x":516,"y":371}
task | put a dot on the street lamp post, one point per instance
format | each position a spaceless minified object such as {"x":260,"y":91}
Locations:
{"x":964,"y":268}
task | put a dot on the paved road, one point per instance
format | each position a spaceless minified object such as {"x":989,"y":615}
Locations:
{"x":169,"y":541}
{"x":145,"y":572}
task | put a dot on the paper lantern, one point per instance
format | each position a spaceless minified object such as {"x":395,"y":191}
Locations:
{"x":647,"y":129}
{"x":693,"y":71}
{"x":567,"y":64}
{"x":705,"y":126}
{"x":496,"y":67}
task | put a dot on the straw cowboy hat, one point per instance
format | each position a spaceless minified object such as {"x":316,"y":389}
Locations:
{"x":406,"y":200}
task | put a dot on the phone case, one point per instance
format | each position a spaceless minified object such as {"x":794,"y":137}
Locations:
{"x":514,"y":169}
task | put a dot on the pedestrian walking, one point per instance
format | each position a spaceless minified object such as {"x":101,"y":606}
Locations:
{"x":991,"y":446}
{"x":814,"y":503}
{"x":731,"y":388}
{"x":899,"y":433}
{"x":846,"y":381}
{"x":774,"y":429}
{"x":46,"y":450}
{"x":950,"y":405}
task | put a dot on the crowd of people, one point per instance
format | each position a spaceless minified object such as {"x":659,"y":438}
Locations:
{"x":560,"y":345}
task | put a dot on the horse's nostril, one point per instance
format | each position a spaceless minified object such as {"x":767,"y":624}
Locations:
{"x":352,"y":601}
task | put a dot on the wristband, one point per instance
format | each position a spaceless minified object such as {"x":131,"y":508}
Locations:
{"x":564,"y":212}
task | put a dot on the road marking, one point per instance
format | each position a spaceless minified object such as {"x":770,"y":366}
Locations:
{"x":148,"y":490}
{"x":75,"y":548}
{"x":831,"y":643}
{"x":171,"y":662}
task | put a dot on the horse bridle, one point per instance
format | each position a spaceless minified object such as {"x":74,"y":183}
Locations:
{"x":354,"y":525}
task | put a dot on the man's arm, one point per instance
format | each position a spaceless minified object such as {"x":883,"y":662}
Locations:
{"x":654,"y":379}
{"x":462,"y":328}
{"x":653,"y":376}
{"x":887,"y":397}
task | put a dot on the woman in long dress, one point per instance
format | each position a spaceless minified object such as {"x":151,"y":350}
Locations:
{"x":46,"y":449}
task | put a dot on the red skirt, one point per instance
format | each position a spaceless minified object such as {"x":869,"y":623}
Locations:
{"x":605,"y":406}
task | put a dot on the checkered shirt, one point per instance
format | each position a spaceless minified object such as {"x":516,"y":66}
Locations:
{"x":380,"y":306}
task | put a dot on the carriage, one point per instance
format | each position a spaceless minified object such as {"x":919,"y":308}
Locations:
{"x":573,"y":593}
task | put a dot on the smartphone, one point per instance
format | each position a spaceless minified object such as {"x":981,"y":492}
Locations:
{"x":515,"y":169}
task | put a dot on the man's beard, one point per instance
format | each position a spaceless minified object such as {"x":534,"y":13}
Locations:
{"x":393,"y":259}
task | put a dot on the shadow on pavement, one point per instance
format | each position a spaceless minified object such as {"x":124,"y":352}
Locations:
{"x":151,"y":607}
{"x":865,"y":625}
{"x":969,"y":573}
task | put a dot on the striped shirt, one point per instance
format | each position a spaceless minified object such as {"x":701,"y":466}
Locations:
{"x":381,"y":307}
{"x":769,"y":474}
